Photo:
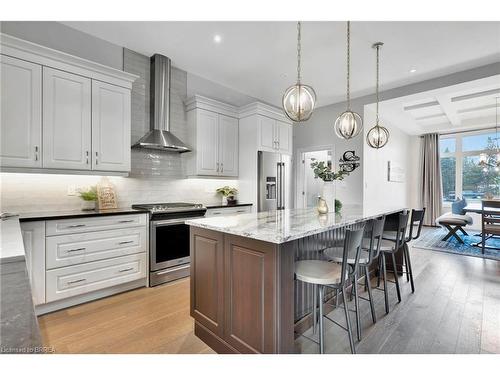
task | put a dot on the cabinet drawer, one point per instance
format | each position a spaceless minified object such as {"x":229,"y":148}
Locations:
{"x":74,"y":249}
{"x":228,"y":211}
{"x":74,"y":280}
{"x":91,"y":224}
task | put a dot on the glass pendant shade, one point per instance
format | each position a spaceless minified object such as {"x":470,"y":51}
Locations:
{"x":348,"y":125}
{"x":298,"y":102}
{"x":377,"y":137}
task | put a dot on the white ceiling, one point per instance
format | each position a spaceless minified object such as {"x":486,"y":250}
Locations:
{"x":259,"y":58}
{"x":466,"y":106}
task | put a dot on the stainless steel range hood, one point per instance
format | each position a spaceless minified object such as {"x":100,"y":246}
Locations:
{"x":160,"y":137}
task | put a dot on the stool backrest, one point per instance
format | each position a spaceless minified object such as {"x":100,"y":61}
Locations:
{"x":352,"y":245}
{"x":402,"y":226}
{"x":375,"y":231}
{"x":416,"y":220}
{"x":490,"y":218}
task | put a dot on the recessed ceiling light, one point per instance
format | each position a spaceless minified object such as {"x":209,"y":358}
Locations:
{"x":413,"y":70}
{"x":217,"y":38}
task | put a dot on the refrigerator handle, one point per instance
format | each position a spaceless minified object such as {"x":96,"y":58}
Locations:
{"x":282,"y":187}
{"x":278,"y":185}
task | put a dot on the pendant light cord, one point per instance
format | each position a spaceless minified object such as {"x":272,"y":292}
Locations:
{"x":377,"y":82}
{"x":299,"y":37}
{"x":348,"y":65}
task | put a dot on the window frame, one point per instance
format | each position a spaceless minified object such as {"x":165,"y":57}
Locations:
{"x":459,"y":155}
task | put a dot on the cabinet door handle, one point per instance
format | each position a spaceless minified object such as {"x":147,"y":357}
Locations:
{"x":36,"y":153}
{"x":124,"y":242}
{"x":76,"y":226}
{"x":87,"y":157}
{"x":241,"y":211}
{"x":216,"y":213}
{"x":73,"y":250}
{"x":221,"y":167}
{"x":217,"y":167}
{"x":76,"y":281}
{"x":126,"y":221}
{"x":96,"y":158}
{"x":126,"y":269}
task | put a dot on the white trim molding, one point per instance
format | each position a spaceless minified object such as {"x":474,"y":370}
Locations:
{"x":45,"y":56}
{"x":202,"y":102}
{"x":264,"y":110}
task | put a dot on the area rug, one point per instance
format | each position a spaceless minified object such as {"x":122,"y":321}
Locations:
{"x":431,"y":240}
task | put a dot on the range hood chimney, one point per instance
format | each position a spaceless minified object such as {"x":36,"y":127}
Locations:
{"x":160,"y":137}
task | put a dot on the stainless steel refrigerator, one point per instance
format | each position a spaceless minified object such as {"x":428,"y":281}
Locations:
{"x":274,"y":182}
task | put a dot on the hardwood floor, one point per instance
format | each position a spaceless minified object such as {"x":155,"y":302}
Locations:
{"x":455,"y":309}
{"x":146,"y":320}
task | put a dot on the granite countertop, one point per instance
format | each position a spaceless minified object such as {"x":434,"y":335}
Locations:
{"x":71,"y":214}
{"x":285,"y":225}
{"x":228,"y":205}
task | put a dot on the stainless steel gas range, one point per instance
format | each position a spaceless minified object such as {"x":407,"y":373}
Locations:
{"x":169,"y":239}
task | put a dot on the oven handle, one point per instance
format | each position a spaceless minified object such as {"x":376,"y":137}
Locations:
{"x":157,"y":223}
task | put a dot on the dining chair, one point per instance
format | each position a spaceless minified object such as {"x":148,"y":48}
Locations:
{"x":490,"y":221}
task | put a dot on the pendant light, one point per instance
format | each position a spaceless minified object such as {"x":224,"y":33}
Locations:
{"x":349,"y":124}
{"x":378,"y":136}
{"x":299,"y":100}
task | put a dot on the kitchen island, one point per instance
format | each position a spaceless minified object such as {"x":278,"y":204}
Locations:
{"x":244,"y":298}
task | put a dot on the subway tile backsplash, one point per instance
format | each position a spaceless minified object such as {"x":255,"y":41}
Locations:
{"x":155,"y":176}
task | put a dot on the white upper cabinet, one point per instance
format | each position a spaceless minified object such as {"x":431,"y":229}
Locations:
{"x":66,"y":120}
{"x":110,"y":127}
{"x":21,"y":113}
{"x":228,"y":145}
{"x":207,"y":144}
{"x":213,"y":133}
{"x":284,"y":137}
{"x":62,"y":112}
{"x":274,"y":135}
{"x":267,"y":133}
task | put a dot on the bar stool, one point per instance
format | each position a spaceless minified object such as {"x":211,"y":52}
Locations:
{"x":322,"y":273}
{"x":415,"y":224}
{"x":370,"y":251}
{"x":389,"y":248}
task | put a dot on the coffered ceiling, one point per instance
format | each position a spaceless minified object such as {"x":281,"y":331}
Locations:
{"x":259,"y":58}
{"x":465,"y":106}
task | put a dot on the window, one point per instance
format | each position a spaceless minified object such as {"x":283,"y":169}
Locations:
{"x":461,"y":173}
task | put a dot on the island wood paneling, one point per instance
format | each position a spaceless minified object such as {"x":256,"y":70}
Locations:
{"x":206,"y":288}
{"x":250,"y":287}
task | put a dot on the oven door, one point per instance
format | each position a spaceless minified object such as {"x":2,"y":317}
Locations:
{"x":169,"y":244}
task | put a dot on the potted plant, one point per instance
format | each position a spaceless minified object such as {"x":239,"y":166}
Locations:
{"x":89,"y":198}
{"x":325,"y":172}
{"x":228,"y":194}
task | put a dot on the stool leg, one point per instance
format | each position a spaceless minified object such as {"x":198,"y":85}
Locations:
{"x":379,"y":271}
{"x":404,"y":267}
{"x":370,"y":297}
{"x":321,"y":328}
{"x":386,"y":296}
{"x":396,"y":279}
{"x":410,"y":270}
{"x":356,"y":304}
{"x":315,"y":308}
{"x":337,"y":298}
{"x":348,"y":322}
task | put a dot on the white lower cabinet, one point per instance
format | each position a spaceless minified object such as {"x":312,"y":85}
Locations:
{"x":68,"y":259}
{"x":75,"y":280}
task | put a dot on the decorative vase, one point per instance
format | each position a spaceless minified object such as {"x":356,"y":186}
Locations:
{"x":224,"y":200}
{"x":329,"y":193}
{"x":322,"y":206}
{"x":88,"y":205}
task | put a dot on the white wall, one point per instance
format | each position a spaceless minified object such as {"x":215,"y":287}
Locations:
{"x":378,"y":192}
